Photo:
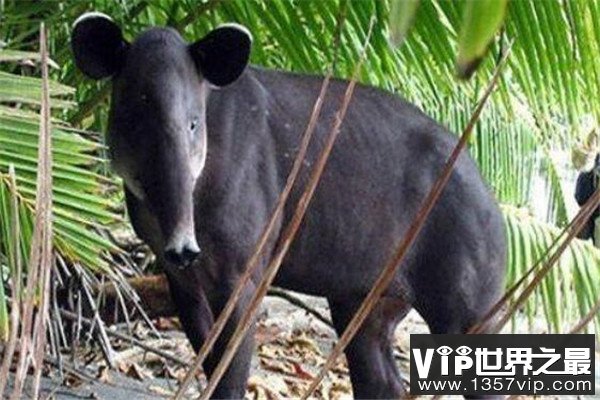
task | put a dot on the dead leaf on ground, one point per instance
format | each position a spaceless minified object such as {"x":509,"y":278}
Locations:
{"x":340,"y":389}
{"x":266,"y":333}
{"x":260,"y":390}
{"x":296,"y":387}
{"x":301,"y":372}
{"x":173,"y":373}
{"x":304,"y":343}
{"x":272,"y":352}
{"x":72,"y":381}
{"x":136,"y":372}
{"x":161,"y":391}
{"x":277,"y":366}
{"x":103,"y":374}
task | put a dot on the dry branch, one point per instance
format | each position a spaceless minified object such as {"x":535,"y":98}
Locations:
{"x":253,"y":261}
{"x":593,"y":313}
{"x":581,"y":218}
{"x":393,"y":264}
{"x":571,"y":230}
{"x":34,"y":302}
{"x":9,"y":349}
{"x":287,"y":236}
{"x":85,"y":321}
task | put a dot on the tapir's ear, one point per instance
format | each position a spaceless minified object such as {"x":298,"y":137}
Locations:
{"x":222,"y":55}
{"x":98,"y":45}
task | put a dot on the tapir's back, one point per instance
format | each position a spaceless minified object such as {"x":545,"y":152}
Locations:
{"x":386,"y":158}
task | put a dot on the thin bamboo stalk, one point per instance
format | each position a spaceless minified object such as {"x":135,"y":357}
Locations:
{"x":583,"y":213}
{"x":40,"y":251}
{"x":266,"y":234}
{"x":287,"y":237}
{"x":581,"y":218}
{"x":15,"y":281}
{"x":395,"y":261}
{"x":45,"y":190}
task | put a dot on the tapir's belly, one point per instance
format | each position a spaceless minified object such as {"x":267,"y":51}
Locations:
{"x":354,"y":225}
{"x":347,"y":234}
{"x":339,"y":249}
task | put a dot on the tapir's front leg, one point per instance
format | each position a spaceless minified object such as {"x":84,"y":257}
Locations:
{"x":233,"y":383}
{"x":193,"y":309}
{"x":196,"y":305}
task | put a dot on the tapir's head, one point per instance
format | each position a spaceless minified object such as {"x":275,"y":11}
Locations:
{"x":157,"y":127}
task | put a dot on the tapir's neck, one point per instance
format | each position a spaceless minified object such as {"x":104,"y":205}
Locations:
{"x":254,"y":128}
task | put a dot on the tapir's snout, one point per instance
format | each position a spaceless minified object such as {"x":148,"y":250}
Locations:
{"x":182,"y":253}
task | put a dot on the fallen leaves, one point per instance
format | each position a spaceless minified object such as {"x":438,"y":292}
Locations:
{"x":289,"y":361}
{"x":103,"y":374}
{"x":259,"y":389}
{"x":301,"y":372}
{"x":303,"y":344}
{"x":291,"y":348}
{"x":137,"y":372}
{"x":161,"y":391}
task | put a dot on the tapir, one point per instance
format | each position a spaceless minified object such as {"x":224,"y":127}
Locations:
{"x":587,"y":182}
{"x":204,"y":143}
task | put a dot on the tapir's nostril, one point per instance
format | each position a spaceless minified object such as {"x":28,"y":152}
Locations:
{"x":184,"y":255}
{"x":190,"y":253}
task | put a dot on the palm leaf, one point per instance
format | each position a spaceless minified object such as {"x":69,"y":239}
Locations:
{"x":573,"y":286}
{"x":79,"y":204}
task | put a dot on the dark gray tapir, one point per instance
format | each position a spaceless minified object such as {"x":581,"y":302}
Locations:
{"x":204,"y":144}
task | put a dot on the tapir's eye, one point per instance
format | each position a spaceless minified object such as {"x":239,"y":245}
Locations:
{"x":144,"y":98}
{"x":194,"y":124}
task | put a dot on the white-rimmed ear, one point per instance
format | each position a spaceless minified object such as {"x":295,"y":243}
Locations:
{"x":98,"y":45}
{"x":223,"y":54}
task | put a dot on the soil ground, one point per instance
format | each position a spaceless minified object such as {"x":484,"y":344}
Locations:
{"x":292,"y":345}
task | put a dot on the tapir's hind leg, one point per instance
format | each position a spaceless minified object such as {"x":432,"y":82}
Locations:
{"x":450,"y":308}
{"x":373,"y":370}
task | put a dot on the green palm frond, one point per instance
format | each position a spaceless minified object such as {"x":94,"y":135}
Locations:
{"x":79,"y":204}
{"x":573,"y":285}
